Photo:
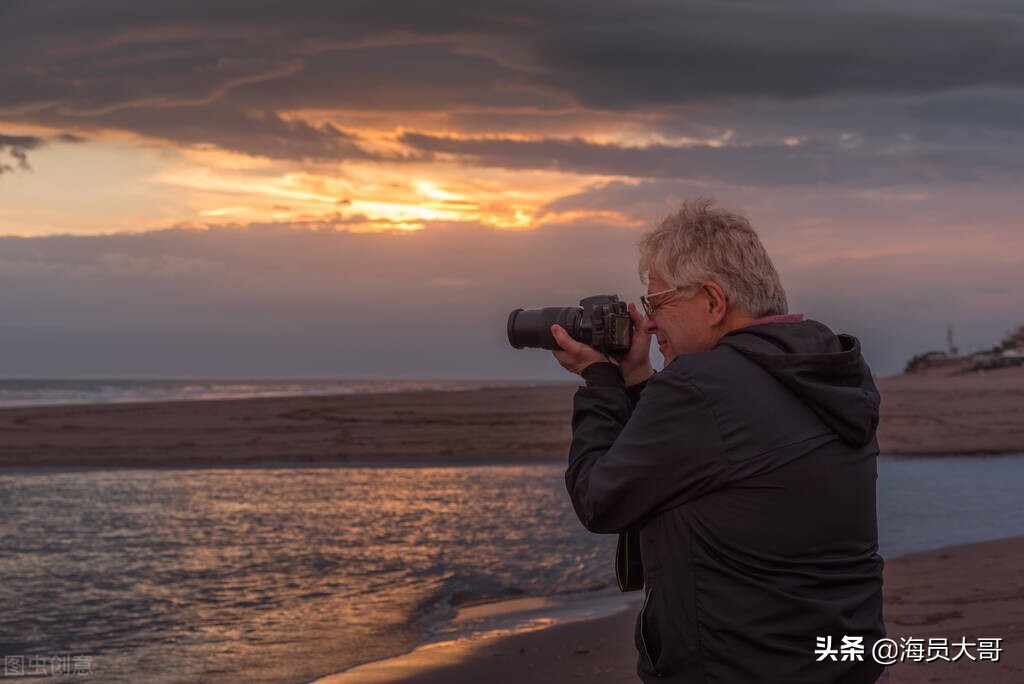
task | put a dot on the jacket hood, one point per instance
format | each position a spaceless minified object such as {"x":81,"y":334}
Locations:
{"x":825,"y":370}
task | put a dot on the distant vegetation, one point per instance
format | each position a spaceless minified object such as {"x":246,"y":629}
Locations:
{"x":925,"y":360}
{"x":1014,"y":340}
{"x":1009,"y":352}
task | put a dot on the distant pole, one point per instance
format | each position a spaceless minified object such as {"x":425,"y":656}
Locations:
{"x":949,"y":340}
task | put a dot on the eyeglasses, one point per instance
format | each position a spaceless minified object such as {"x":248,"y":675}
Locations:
{"x":649,"y":307}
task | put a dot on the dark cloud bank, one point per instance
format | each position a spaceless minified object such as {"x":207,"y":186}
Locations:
{"x":269,"y":301}
{"x":223,"y":72}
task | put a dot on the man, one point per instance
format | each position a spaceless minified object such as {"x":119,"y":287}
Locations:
{"x":747,"y":464}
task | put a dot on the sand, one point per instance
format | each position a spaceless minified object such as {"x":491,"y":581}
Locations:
{"x":925,"y":414}
{"x":971,"y":591}
{"x":420,"y":428}
{"x":974,"y":590}
{"x":599,"y":650}
{"x":937,"y":412}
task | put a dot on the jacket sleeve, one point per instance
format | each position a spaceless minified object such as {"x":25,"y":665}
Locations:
{"x":627,"y":462}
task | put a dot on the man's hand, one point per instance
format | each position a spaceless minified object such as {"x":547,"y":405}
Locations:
{"x":636,"y":363}
{"x":574,"y":356}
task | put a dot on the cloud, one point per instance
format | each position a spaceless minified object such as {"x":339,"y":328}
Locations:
{"x":986,"y":110}
{"x":283,"y":300}
{"x":703,"y":51}
{"x":227,"y":75}
{"x":70,"y":138}
{"x":17,"y":146}
{"x":243,"y":75}
{"x":254,"y":132}
{"x":793,"y":163}
{"x":272,"y":300}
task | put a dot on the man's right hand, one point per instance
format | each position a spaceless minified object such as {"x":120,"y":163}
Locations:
{"x":574,"y":356}
{"x":636,"y":363}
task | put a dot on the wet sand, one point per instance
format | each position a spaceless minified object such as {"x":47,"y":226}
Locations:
{"x":927,"y":414}
{"x":971,"y":591}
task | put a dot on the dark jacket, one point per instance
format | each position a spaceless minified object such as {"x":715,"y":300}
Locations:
{"x":750,"y":471}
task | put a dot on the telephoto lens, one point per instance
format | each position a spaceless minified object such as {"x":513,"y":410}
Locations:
{"x":532,"y":327}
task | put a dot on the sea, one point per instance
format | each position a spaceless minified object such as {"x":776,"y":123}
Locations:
{"x":281,"y":575}
{"x":33,"y":392}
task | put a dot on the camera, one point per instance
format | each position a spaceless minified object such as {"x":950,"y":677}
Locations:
{"x":601,"y":321}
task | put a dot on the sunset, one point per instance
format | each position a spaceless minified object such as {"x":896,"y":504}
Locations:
{"x":250,"y":241}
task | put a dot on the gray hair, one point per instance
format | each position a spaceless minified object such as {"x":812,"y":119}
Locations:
{"x":701,"y":242}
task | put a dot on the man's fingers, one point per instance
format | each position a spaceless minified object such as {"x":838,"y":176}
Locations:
{"x":638,"y":320}
{"x":574,"y":356}
{"x":564,"y":340}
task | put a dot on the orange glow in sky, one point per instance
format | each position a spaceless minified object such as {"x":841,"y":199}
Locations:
{"x":115,"y":184}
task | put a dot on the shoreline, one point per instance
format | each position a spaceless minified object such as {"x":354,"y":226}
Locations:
{"x":520,"y":618}
{"x":927,"y":414}
{"x":414,"y":387}
{"x":600,"y":648}
{"x":303,"y":465}
{"x":46,"y":469}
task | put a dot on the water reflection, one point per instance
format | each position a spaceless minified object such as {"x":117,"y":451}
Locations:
{"x":280,"y":574}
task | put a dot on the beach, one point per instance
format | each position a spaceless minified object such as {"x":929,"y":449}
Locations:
{"x":922,"y":414}
{"x":939,"y":412}
{"x":494,"y":425}
{"x":963,"y":592}
{"x":973,"y":591}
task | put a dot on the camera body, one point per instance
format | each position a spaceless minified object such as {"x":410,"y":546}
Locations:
{"x":600,"y":321}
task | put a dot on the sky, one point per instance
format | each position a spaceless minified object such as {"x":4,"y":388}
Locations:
{"x":366,"y":189}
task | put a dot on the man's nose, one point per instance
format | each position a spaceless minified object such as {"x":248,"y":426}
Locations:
{"x":648,"y":326}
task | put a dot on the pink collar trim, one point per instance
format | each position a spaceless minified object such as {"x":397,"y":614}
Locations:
{"x":782,"y":318}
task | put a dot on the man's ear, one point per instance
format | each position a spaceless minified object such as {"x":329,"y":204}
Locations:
{"x":717,"y":305}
